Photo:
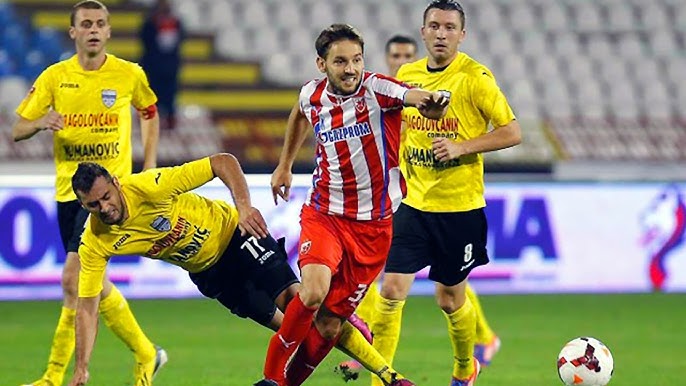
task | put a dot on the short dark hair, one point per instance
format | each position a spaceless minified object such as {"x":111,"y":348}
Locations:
{"x":445,"y":5}
{"x":335,"y":33}
{"x":86,"y":4}
{"x":400,"y":39}
{"x":85,"y":176}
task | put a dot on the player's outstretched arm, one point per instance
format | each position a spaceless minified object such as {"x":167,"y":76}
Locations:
{"x":25,"y":129}
{"x":433,"y":105}
{"x":228,"y":169}
{"x":296,"y":132}
{"x":150,"y":134}
{"x":86,"y":329}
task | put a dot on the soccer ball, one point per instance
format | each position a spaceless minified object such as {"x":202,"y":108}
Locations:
{"x":585,"y":362}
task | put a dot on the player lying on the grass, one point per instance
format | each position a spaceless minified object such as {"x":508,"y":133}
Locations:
{"x":226,"y":249}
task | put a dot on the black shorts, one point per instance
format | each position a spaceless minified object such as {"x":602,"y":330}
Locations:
{"x":451,"y":243}
{"x":248,"y":277}
{"x":71,"y":218}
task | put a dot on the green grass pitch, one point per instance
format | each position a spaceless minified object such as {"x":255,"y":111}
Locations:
{"x":208,"y":346}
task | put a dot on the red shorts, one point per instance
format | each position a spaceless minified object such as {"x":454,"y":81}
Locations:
{"x":355,"y":251}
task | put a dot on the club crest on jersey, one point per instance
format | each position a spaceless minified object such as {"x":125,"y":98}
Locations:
{"x":109,"y":96}
{"x":161,"y":224}
{"x":305,"y":247}
{"x":360,"y":105}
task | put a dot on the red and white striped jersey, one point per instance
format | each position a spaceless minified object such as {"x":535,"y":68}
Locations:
{"x":357,"y":142}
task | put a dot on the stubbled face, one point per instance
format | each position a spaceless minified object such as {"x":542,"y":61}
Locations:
{"x":343,"y":66}
{"x":104,"y":200}
{"x":399,"y":54}
{"x":91,"y":31}
{"x":442,"y":33}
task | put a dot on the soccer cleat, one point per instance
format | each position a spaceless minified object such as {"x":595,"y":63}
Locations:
{"x":362,"y":326}
{"x":485,"y":352}
{"x":402,"y":382}
{"x":266,"y":382}
{"x":348,"y":370}
{"x":470,"y":381}
{"x":144,"y":373}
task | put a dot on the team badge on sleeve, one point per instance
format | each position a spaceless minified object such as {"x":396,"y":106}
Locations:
{"x":109,"y":96}
{"x":161,"y":224}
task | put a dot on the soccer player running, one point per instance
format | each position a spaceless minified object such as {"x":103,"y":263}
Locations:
{"x":441,"y":223}
{"x":226,"y":248}
{"x":357,"y":185}
{"x":85,"y":102}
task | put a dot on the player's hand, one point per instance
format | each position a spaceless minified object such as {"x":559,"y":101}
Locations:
{"x":281,"y":183}
{"x":446,"y":149}
{"x":80,"y":378}
{"x":51,"y":121}
{"x":434,"y":106}
{"x":250,"y":220}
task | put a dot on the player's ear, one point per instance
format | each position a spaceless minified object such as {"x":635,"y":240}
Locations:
{"x":463,"y":34}
{"x":321,"y":64}
{"x":115,"y":182}
{"x":72,"y":33}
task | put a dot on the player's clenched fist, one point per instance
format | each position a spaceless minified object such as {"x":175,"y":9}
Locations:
{"x":51,"y":121}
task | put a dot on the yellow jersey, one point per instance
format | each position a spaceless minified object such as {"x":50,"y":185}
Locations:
{"x":165,"y":221}
{"x":96,"y":106}
{"x":475,"y":100}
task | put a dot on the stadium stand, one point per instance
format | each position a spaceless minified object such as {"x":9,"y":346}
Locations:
{"x":601,"y":80}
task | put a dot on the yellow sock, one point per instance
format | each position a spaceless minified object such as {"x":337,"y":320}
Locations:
{"x":62,"y":347}
{"x":117,"y":315}
{"x":367,"y":307}
{"x":484,"y":334}
{"x":353,"y":343}
{"x":386,"y":329}
{"x":462,"y":331}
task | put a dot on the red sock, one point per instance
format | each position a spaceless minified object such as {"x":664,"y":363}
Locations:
{"x":310,"y":354}
{"x":297,"y":321}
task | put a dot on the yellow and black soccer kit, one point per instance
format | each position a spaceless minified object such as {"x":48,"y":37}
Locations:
{"x":441,"y":222}
{"x":96,"y":106}
{"x":168,"y":222}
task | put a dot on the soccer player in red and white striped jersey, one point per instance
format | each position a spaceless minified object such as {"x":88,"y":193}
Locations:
{"x":356,"y":187}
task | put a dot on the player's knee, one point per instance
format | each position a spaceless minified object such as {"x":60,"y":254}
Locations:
{"x":449,"y":304}
{"x":312,"y":294}
{"x":328,"y":328}
{"x":70,"y":284}
{"x":312,"y":297}
{"x":393,"y":290}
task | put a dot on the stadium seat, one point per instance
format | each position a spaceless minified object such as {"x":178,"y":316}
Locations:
{"x":12,"y":91}
{"x":620,"y":15}
{"x":14,"y":40}
{"x":7,"y":66}
{"x":599,"y":47}
{"x":7,"y":15}
{"x":663,"y":43}
{"x":653,"y":15}
{"x":587,"y":16}
{"x":49,"y":42}
{"x":287,"y":13}
{"x":554,"y":16}
{"x":33,"y":64}
{"x":256,"y":13}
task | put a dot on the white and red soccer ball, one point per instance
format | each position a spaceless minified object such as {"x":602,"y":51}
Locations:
{"x":585,"y":362}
